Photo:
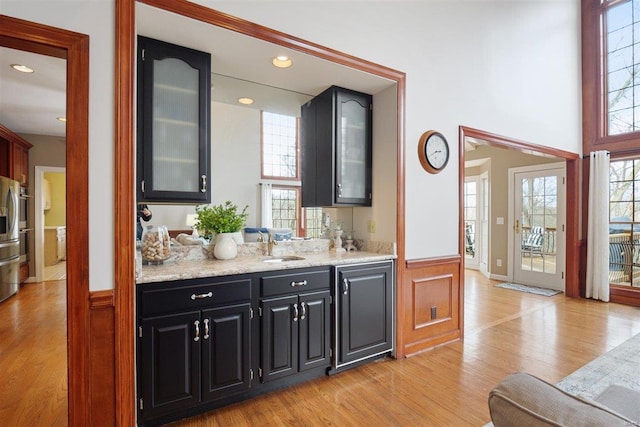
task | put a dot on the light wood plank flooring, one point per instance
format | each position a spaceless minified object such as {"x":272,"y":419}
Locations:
{"x":56,"y":271}
{"x":33,"y":356}
{"x":506,"y":331}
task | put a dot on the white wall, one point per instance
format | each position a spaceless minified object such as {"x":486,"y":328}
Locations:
{"x":507,"y":67}
{"x":511,"y":68}
{"x":95,"y":18}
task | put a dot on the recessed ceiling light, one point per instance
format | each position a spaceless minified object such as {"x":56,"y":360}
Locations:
{"x":282,"y":61}
{"x":22,"y":68}
{"x":245,"y":101}
{"x":61,"y":119}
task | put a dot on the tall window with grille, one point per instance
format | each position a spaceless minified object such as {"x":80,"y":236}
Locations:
{"x":624,"y":222}
{"x":281,"y":163}
{"x":622,"y":64}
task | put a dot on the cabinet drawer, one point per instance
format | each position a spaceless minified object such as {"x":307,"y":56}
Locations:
{"x":288,"y":283}
{"x":186,"y":297}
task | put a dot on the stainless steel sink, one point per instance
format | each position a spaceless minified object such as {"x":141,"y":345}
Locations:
{"x":283,"y":258}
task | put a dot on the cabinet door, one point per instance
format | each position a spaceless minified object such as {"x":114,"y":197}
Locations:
{"x":314,"y":330}
{"x":353,"y":148}
{"x":365,"y":312}
{"x":173,"y":122}
{"x":170,"y":370}
{"x":279,"y":346}
{"x":226,"y":351}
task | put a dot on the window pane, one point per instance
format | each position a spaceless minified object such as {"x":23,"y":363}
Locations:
{"x":623,"y":65}
{"x":279,"y":146}
{"x":284,"y":202}
{"x":314,"y":222}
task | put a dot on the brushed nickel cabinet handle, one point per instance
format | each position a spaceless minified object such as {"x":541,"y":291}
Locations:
{"x":200,"y":296}
{"x":304,"y":311}
{"x":203,"y":187}
{"x":295,"y":312}
{"x":345,"y":286}
{"x":197,"y":327}
{"x":301,"y":283}
{"x":206,"y":329}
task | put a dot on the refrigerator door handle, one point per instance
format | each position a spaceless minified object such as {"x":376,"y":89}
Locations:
{"x":9,"y":261}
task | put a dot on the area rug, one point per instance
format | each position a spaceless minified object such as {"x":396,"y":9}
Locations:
{"x":617,"y":366}
{"x":528,"y":289}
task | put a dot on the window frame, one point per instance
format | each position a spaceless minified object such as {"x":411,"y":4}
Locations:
{"x":594,"y":80}
{"x":298,"y":157}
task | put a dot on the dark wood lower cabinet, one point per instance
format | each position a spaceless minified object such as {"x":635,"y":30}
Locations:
{"x":203,"y":342}
{"x":295,"y":334}
{"x":171,"y":368}
{"x":226,"y":351}
{"x":364,"y":311}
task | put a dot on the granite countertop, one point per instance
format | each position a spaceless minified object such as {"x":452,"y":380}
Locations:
{"x":191,"y":269}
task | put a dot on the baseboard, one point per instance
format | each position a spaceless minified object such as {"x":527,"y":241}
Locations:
{"x":498,"y":277}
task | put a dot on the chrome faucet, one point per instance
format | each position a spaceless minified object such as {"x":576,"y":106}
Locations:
{"x":271,"y":242}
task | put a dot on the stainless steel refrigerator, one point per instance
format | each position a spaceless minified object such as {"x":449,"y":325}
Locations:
{"x":9,"y":237}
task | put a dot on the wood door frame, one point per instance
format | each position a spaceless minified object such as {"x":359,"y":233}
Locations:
{"x":74,"y":47}
{"x":572,"y":284}
{"x":125,"y":167}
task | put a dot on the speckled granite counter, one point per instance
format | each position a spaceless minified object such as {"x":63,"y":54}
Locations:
{"x":191,"y":269}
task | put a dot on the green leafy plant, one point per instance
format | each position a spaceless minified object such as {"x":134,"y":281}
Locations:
{"x":217,"y":219}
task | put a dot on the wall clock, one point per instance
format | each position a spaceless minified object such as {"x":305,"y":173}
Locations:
{"x":433,"y":151}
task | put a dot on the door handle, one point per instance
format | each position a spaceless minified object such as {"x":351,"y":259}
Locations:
{"x":516,"y":227}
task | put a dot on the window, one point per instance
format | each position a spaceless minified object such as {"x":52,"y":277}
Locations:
{"x":611,"y":70}
{"x":280,"y":161}
{"x":470,"y":210}
{"x":279,"y":146}
{"x":624,"y":222}
{"x":621,"y":39}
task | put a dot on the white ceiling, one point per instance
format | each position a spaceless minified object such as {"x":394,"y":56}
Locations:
{"x":30,"y":103}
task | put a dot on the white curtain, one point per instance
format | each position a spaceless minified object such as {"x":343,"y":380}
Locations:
{"x":265,"y":208}
{"x":598,"y":227}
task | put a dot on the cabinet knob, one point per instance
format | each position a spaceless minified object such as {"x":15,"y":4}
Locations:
{"x":196,"y":324}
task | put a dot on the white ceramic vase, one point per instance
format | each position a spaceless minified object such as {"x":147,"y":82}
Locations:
{"x":225,"y":247}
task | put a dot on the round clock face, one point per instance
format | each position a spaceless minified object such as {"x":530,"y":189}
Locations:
{"x":433,"y":151}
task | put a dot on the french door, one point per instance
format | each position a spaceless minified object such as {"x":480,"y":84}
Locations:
{"x":538,"y":225}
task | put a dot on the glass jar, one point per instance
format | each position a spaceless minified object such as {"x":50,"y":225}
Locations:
{"x":154,"y":244}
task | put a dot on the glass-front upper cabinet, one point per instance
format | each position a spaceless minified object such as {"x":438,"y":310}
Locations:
{"x":336,"y":149}
{"x":173,"y":132}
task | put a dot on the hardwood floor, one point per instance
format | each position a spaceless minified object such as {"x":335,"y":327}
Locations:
{"x":56,"y":271}
{"x":33,"y":356}
{"x":506,"y":331}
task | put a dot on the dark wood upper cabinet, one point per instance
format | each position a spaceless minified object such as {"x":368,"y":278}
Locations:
{"x":336,"y":149}
{"x":174,"y":123}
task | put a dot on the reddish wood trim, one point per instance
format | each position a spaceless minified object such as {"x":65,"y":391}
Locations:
{"x":125,"y":380}
{"x":31,"y":46}
{"x":124,"y":163}
{"x":572,"y":264}
{"x":423,"y":274}
{"x":413,"y":264}
{"x":624,"y":295}
{"x":400,"y":219}
{"x":75,"y":48}
{"x":593,"y":83}
{"x":102,"y":398}
{"x":101,"y":299}
{"x":239,"y":25}
{"x":6,"y":133}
